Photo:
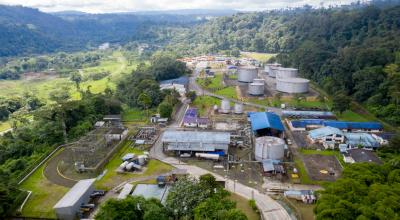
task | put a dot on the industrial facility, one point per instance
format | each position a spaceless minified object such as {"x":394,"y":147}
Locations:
{"x":292,"y":85}
{"x":268,"y":69}
{"x":269,"y":147}
{"x":266,"y":124}
{"x":70,"y":205}
{"x":284,"y":73}
{"x":247,"y":74}
{"x":191,"y":142}
{"x":309,"y":124}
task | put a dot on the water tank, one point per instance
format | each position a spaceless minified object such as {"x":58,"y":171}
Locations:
{"x":238,"y":108}
{"x":225,"y":106}
{"x":269,"y":148}
{"x":286,"y":73}
{"x":292,"y":85}
{"x":261,"y":81}
{"x":142,"y":159}
{"x":273,"y":71}
{"x":247,"y":74}
{"x":123,"y":165}
{"x":256,"y":89}
{"x":267,"y":68}
{"x":129,"y":166}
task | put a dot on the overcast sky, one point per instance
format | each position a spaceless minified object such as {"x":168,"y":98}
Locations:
{"x":108,"y":6}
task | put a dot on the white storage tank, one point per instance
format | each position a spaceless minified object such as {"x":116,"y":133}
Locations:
{"x":273,"y":71}
{"x":292,"y":85}
{"x":238,"y":108}
{"x":225,"y":106}
{"x":261,"y":81}
{"x":256,"y":89}
{"x":247,"y":74}
{"x":268,"y":147}
{"x":286,"y":72}
{"x":267,"y":68}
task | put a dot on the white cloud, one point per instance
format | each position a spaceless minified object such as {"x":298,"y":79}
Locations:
{"x":107,"y":6}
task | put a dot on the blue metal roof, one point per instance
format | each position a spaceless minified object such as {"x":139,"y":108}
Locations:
{"x":361,"y":139}
{"x":262,"y":120}
{"x":322,"y":132}
{"x":354,"y":125}
{"x":337,"y":124}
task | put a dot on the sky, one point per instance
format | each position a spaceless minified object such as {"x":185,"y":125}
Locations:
{"x":109,"y":6}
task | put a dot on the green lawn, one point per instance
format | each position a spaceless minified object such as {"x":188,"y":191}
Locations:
{"x":4,"y":126}
{"x":351,"y":116}
{"x":44,"y":195}
{"x":263,"y":57}
{"x":135,"y":114}
{"x":215,"y":83}
{"x":112,"y":178}
{"x":243,"y":205}
{"x":203,"y":103}
{"x":228,"y":92}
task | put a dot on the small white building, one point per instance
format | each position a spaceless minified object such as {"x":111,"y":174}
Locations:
{"x":328,"y":136}
{"x":116,"y":134}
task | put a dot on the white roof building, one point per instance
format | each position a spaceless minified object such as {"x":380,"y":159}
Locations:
{"x":68,"y":206}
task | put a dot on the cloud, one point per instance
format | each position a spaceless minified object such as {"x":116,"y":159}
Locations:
{"x":107,"y":6}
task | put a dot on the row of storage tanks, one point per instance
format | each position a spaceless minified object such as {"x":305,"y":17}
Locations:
{"x":249,"y":75}
{"x":226,"y":107}
{"x":287,"y":79}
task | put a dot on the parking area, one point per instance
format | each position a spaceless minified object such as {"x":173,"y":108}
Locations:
{"x":322,"y":167}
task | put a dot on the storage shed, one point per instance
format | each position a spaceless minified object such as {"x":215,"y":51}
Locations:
{"x":69,"y":205}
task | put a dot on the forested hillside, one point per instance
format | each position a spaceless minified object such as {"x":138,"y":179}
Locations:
{"x":26,"y":31}
{"x":352,"y":51}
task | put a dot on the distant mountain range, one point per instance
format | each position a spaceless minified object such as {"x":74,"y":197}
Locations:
{"x":26,"y":30}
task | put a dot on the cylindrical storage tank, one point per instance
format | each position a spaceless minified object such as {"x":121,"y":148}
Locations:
{"x":292,"y":85}
{"x":267,"y":68}
{"x":225,"y":106}
{"x":268,"y":147}
{"x":238,"y":108}
{"x":123,"y":165}
{"x":129,"y":166}
{"x":256,"y":89}
{"x":141,"y":159}
{"x":287,"y":73}
{"x":273,"y":71}
{"x":261,"y":81}
{"x":247,"y":74}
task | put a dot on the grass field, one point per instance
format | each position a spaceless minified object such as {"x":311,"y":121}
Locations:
{"x":352,"y":116}
{"x":263,"y":57}
{"x":116,"y":65}
{"x":215,"y":83}
{"x":44,"y":195}
{"x":203,"y":103}
{"x":228,"y":92}
{"x":112,"y":178}
{"x":243,"y":205}
{"x":4,"y":126}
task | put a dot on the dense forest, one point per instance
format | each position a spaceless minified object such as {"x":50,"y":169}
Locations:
{"x":26,"y":31}
{"x":352,"y":51}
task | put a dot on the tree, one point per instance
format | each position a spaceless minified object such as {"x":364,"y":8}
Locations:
{"x":165,"y":109}
{"x":76,"y":78}
{"x":133,"y":207}
{"x":144,"y":100}
{"x":341,"y":103}
{"x":191,"y":95}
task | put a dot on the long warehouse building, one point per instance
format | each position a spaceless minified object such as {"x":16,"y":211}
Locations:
{"x":196,"y":141}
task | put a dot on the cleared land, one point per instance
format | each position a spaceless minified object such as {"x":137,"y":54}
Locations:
{"x":4,"y":126}
{"x":205,"y":103}
{"x":44,"y":195}
{"x":262,"y":57}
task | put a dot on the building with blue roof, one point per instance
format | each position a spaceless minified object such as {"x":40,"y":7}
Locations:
{"x":308,"y":124}
{"x":327,"y":136}
{"x":266,"y":124}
